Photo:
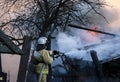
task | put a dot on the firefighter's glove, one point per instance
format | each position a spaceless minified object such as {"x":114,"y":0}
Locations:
{"x":55,"y":52}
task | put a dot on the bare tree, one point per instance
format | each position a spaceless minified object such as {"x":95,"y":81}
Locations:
{"x":40,"y":17}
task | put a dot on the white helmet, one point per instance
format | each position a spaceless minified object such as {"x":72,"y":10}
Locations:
{"x":42,"y":40}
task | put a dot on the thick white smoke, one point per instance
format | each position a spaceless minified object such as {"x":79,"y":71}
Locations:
{"x":66,"y":43}
{"x":111,"y":11}
{"x":72,"y":47}
{"x":79,"y":39}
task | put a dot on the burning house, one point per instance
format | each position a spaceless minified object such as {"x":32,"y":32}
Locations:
{"x":98,"y":62}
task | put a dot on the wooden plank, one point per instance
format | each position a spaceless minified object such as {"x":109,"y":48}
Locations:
{"x":0,"y":64}
{"x":31,"y":75}
{"x":5,"y":49}
{"x":14,"y":48}
{"x":50,"y":69}
{"x":84,"y":28}
{"x":97,"y":65}
{"x":116,"y":58}
{"x":24,"y":60}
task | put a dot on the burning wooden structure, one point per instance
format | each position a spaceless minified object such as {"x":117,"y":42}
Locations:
{"x":84,"y":28}
{"x":77,"y":70}
{"x":110,"y":66}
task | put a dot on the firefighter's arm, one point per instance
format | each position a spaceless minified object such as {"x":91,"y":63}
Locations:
{"x":46,"y":57}
{"x":56,"y":54}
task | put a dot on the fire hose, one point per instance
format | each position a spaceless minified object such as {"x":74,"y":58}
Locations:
{"x":64,"y":60}
{"x":43,"y":66}
{"x":41,"y":74}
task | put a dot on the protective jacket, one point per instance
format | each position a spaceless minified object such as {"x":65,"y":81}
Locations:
{"x":43,"y":59}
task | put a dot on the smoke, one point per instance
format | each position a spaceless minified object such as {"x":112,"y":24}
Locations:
{"x":107,"y":49}
{"x":66,"y":42}
{"x":72,"y":46}
{"x":111,"y":13}
{"x":114,"y":25}
{"x":75,"y":39}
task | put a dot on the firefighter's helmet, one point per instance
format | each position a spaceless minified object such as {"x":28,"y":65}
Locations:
{"x":42,"y":40}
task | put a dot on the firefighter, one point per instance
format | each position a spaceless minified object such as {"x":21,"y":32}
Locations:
{"x":44,"y":59}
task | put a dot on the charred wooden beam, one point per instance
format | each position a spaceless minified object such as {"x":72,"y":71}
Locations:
{"x":0,"y":64}
{"x":5,"y":49}
{"x":113,"y":59}
{"x":84,"y":28}
{"x":24,"y":59}
{"x":7,"y":42}
{"x":97,"y":65}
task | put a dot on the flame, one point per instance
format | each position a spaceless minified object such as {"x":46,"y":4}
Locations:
{"x":93,"y":33}
{"x":91,"y":36}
